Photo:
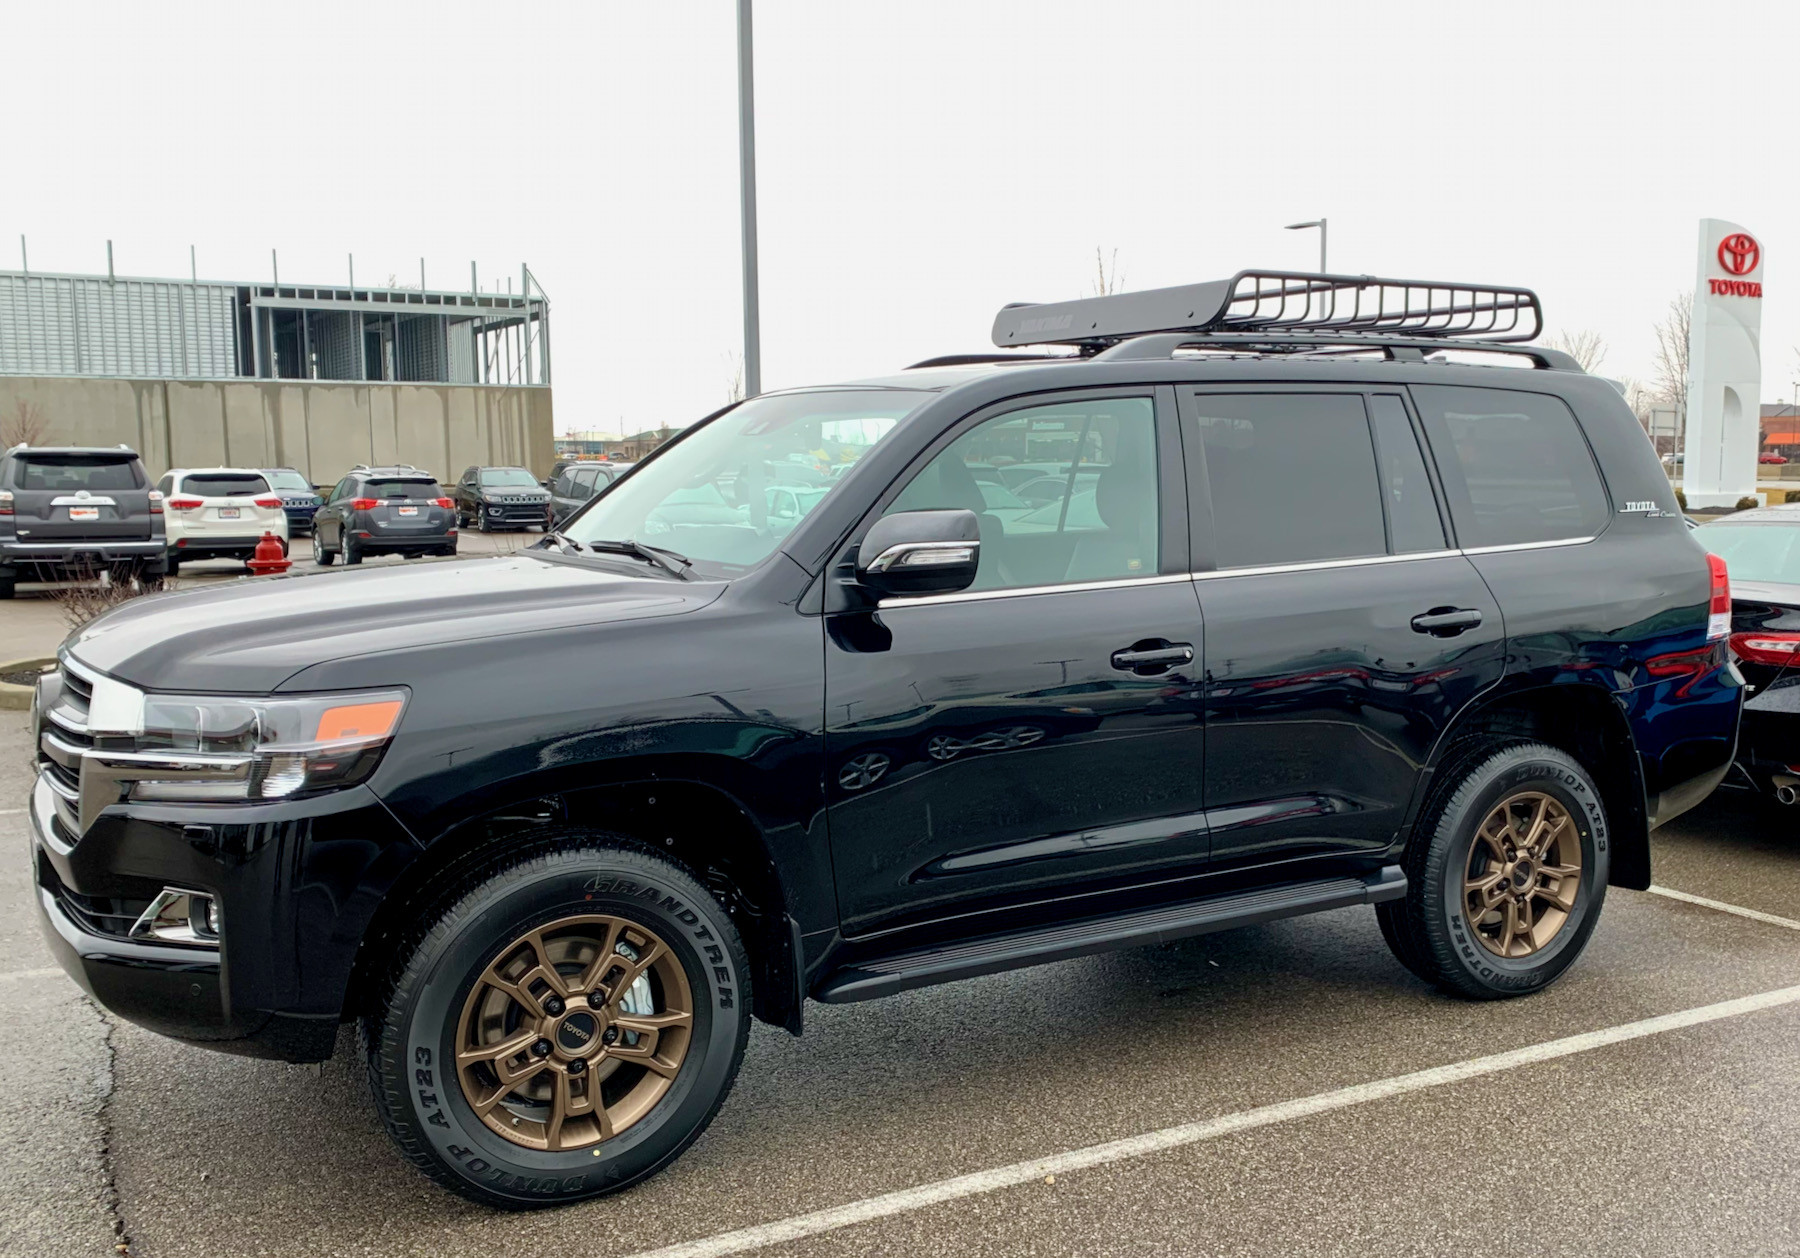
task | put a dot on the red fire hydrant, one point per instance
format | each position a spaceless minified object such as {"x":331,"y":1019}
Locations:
{"x":269,"y":557}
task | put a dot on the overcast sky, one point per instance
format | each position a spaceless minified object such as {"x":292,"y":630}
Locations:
{"x":920,"y":163}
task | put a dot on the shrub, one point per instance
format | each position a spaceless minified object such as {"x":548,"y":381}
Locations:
{"x":1681,"y":497}
{"x":1747,"y":502}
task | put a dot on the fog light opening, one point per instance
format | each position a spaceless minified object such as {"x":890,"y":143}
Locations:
{"x":179,"y":916}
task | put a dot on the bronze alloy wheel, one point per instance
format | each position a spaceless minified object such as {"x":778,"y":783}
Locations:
{"x":1523,"y":873}
{"x":574,"y":1032}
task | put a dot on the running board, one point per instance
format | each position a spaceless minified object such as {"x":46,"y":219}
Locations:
{"x":884,"y":976}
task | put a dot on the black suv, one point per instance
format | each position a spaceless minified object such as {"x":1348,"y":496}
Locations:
{"x":1328,"y":623}
{"x":384,"y":511}
{"x":571,"y":488}
{"x":493,"y":498}
{"x":70,"y":511}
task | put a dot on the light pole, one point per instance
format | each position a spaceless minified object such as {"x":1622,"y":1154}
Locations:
{"x":1294,"y":227}
{"x":747,"y":201}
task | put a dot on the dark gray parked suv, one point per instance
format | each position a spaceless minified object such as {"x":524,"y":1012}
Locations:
{"x":578,"y":482}
{"x":384,"y":511}
{"x":72,"y":510}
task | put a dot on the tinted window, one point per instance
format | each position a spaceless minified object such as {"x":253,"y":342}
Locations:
{"x":224,"y":484}
{"x":1515,"y":465}
{"x":585,"y":478}
{"x":1292,"y":477}
{"x":72,"y":472}
{"x":1413,"y":523}
{"x":286,"y":478}
{"x":401,"y":487}
{"x":508,"y":477}
{"x":1104,"y":448}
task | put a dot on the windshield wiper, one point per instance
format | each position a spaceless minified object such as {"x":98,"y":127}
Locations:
{"x":568,"y":544}
{"x":664,"y":559}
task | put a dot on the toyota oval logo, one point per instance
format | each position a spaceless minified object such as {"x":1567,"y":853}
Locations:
{"x":1739,"y":253}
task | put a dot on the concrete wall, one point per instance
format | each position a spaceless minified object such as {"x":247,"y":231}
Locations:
{"x":320,"y":428}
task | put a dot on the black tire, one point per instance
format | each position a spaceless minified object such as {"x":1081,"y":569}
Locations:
{"x":448,"y":552}
{"x":1430,"y":930}
{"x":414,"y":1023}
{"x":172,"y":565}
{"x":352,"y":554}
{"x":7,"y":588}
{"x":322,"y":555}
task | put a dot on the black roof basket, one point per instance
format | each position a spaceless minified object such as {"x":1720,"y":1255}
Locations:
{"x":1298,"y":301}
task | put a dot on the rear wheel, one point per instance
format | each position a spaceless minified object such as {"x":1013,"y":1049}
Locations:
{"x":322,"y":554}
{"x":352,"y":553}
{"x":564,"y":1028}
{"x":172,"y":565}
{"x":1506,"y":874}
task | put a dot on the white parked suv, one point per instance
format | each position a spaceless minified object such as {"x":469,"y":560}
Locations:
{"x":219,"y":513}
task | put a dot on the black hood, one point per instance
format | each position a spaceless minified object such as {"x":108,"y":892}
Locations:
{"x":252,"y":635}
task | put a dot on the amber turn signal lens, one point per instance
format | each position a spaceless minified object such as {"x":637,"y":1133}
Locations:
{"x":359,"y":720}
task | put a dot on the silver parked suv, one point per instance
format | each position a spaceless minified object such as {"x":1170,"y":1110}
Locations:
{"x":75,"y":510}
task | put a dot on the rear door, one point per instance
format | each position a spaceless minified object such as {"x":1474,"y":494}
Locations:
{"x":96,"y":496}
{"x":1343,"y":633}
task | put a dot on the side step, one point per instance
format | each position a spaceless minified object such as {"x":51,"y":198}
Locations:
{"x":884,"y":976}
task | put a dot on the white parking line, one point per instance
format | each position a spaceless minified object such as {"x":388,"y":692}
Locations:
{"x":1723,"y":907}
{"x":909,"y":1199}
{"x":19,"y":976}
{"x":11,"y":812}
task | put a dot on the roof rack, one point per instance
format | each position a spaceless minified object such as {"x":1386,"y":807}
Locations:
{"x":1397,"y":348}
{"x":1300,"y":301}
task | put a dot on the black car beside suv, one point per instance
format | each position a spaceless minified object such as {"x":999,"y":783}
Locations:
{"x":493,"y":498}
{"x":1332,"y":623}
{"x":384,"y":511}
{"x":74,"y":511}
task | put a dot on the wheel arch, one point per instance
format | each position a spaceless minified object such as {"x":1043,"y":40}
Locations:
{"x":1586,"y":721}
{"x":697,"y":823}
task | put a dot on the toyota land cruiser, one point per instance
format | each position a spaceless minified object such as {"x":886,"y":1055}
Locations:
{"x":1318,"y":617}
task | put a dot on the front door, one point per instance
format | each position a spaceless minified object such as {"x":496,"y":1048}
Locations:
{"x":1343,"y":632}
{"x":1040,"y":732}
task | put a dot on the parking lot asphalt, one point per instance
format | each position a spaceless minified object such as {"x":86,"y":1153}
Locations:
{"x":1247,"y":1080}
{"x":32,"y":624}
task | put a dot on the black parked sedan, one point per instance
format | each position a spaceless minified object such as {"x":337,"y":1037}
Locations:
{"x":298,"y":499}
{"x":493,"y":498}
{"x":1762,"y":550}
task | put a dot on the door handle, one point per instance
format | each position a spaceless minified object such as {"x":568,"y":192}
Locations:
{"x":1446,"y":622}
{"x":1145,"y":658}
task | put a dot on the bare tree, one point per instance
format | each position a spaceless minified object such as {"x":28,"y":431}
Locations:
{"x":1672,"y":351}
{"x":734,"y":377}
{"x":1107,"y":277}
{"x":25,"y":426}
{"x":1586,"y":347}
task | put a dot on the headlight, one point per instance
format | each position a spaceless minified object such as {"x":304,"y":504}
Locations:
{"x":233,"y":748}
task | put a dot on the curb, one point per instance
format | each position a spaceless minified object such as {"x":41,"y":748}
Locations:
{"x":18,"y":698}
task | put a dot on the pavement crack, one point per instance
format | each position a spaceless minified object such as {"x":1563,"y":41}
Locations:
{"x":109,"y":1179}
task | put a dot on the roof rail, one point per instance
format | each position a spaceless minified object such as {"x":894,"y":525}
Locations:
{"x":973,"y":360}
{"x":1263,"y":300}
{"x":1399,"y":348}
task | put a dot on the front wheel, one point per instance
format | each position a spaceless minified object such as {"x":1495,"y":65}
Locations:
{"x":564,"y":1028}
{"x":1506,"y":873}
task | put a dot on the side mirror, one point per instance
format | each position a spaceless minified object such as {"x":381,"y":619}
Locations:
{"x":920,"y":552}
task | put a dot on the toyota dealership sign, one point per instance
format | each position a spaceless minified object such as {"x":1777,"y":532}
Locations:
{"x":1724,"y":368}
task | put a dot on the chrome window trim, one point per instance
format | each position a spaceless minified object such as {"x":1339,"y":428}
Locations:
{"x":1026,"y":591}
{"x":1318,"y":565}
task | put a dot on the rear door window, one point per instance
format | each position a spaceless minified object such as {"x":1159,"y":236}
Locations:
{"x":69,"y":473}
{"x":1515,"y":465}
{"x":1292,"y":477}
{"x":224,"y":484}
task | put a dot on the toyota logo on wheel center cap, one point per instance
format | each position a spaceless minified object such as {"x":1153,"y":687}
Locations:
{"x":577,"y":1032}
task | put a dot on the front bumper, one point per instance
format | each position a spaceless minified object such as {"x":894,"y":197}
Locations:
{"x":512,"y":514}
{"x":203,"y":546}
{"x":296,"y":883}
{"x":300,"y":519}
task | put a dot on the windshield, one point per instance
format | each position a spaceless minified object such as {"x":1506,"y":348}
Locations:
{"x":1756,"y":552}
{"x":502,"y":477}
{"x":286,"y":478}
{"x":708,"y":497}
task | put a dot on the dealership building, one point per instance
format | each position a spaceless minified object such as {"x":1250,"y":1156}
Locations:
{"x":318,"y":377}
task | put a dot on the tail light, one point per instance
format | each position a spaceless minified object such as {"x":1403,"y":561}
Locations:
{"x":445,"y":503}
{"x":185,"y":504}
{"x":364,"y":504}
{"x":6,"y":502}
{"x":1718,"y":609}
{"x":156,"y":502}
{"x":268,"y":502}
{"x":1774,"y":649}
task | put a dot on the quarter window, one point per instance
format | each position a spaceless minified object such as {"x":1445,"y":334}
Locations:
{"x":1292,"y":477}
{"x":1086,"y":504}
{"x":1515,"y":465}
{"x":1413,"y":521}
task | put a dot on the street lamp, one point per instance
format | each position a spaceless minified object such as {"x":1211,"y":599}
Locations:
{"x":747,"y":201}
{"x":1320,"y":224}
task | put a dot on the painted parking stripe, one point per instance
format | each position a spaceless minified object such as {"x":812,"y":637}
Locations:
{"x":1723,"y":907}
{"x":906,"y":1200}
{"x":20,"y":976}
{"x":12,"y":812}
